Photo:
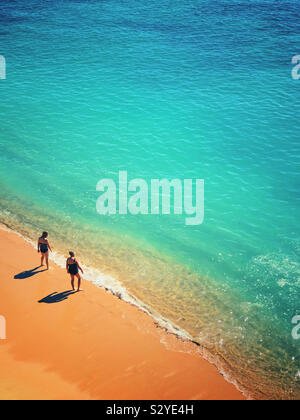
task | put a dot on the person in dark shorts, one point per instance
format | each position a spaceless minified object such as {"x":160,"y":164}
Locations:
{"x":73,"y":268}
{"x":44,"y":248}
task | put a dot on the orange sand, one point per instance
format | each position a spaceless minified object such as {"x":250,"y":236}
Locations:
{"x":91,"y":345}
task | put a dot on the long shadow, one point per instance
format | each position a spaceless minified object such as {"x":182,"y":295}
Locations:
{"x":57,"y":297}
{"x":29,"y":273}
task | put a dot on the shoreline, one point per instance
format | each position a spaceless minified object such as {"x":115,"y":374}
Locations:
{"x":130,"y":358}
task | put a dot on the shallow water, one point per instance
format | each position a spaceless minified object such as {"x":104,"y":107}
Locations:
{"x":166,"y":90}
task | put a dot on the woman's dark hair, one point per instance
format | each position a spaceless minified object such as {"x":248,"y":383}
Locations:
{"x":44,"y":235}
{"x":71,"y":254}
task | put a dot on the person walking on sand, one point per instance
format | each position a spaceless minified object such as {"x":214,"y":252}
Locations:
{"x":43,"y":248}
{"x":73,"y":268}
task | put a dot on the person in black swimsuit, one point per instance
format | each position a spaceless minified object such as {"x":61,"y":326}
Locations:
{"x":43,"y":248}
{"x":73,"y":268}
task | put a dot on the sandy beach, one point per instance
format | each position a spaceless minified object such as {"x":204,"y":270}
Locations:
{"x":88,"y":345}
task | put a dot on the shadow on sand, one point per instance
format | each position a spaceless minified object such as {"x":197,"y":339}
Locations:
{"x":29,"y":273}
{"x":57,"y":297}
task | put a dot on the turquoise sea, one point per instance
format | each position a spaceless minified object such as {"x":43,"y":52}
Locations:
{"x":166,"y":89}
